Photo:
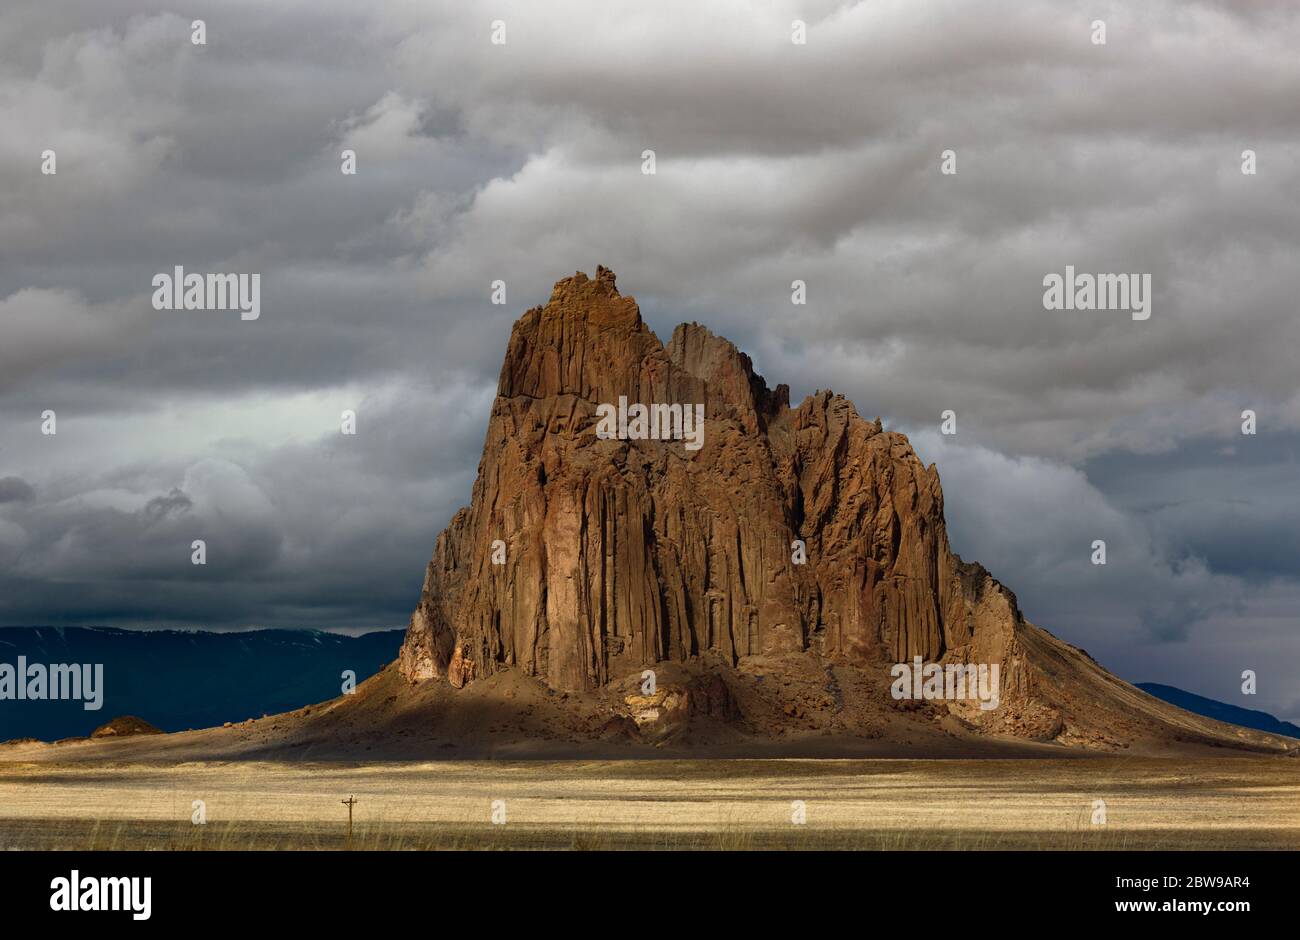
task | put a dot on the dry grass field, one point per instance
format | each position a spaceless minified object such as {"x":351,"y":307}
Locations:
{"x":1233,"y":803}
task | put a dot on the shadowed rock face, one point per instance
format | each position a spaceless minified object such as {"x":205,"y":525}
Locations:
{"x":623,"y":553}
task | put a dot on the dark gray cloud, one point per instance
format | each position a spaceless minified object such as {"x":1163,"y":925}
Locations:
{"x":15,"y":489}
{"x":775,"y":162}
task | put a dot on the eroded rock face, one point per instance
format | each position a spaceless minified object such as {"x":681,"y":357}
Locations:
{"x":622,"y":553}
{"x":460,"y":670}
{"x":660,"y":714}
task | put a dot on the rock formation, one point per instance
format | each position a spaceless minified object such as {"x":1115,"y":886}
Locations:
{"x":792,"y":530}
{"x":124,"y":726}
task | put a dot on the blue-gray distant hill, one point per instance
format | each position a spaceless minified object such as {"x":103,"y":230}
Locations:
{"x":1222,"y":711}
{"x":177,"y":680}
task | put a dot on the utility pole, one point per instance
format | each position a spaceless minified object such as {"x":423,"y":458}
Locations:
{"x":350,"y":802}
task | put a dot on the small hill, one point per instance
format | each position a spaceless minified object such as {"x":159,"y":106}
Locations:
{"x":124,"y":726}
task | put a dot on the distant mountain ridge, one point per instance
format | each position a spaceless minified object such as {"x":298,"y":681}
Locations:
{"x":1220,"y":711}
{"x":178,"y":680}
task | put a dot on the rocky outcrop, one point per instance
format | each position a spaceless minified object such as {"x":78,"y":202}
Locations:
{"x":808,"y":529}
{"x":124,"y":726}
{"x":460,"y":670}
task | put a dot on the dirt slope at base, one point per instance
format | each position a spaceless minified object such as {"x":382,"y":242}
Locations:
{"x":795,"y":705}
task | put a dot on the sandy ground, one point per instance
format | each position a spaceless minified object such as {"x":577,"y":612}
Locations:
{"x":1232,"y":803}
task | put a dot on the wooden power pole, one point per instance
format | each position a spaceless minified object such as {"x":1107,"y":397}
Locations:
{"x":350,"y":802}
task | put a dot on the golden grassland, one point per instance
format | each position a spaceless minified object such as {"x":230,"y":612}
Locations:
{"x":1150,"y":803}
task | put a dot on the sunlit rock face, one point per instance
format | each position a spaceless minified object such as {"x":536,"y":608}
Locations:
{"x":620,"y":553}
{"x":593,"y":548}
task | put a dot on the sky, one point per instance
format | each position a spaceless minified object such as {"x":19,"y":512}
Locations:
{"x":522,"y":161}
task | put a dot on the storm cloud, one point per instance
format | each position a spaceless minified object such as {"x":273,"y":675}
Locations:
{"x":521,"y":162}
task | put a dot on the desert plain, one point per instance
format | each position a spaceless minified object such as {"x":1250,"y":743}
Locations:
{"x":1103,"y":802}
